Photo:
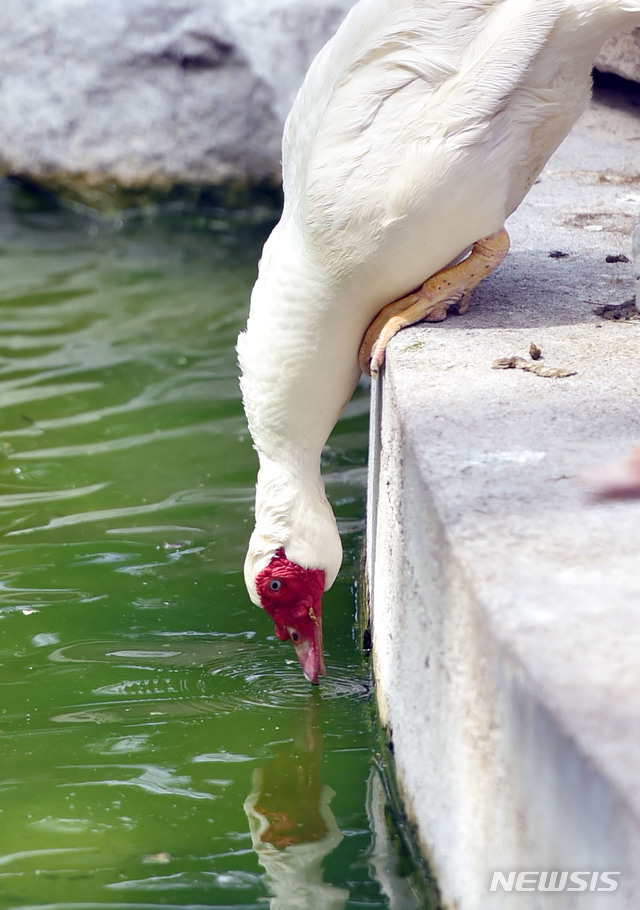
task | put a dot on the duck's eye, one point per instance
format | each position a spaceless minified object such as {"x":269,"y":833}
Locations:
{"x":275,"y":584}
{"x":295,"y":638}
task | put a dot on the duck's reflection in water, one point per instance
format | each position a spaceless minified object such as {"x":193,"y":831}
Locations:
{"x":292,"y":826}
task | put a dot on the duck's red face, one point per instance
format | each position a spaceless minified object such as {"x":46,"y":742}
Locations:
{"x":292,"y":596}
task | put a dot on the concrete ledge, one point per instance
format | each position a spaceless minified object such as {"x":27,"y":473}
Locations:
{"x":505,"y":604}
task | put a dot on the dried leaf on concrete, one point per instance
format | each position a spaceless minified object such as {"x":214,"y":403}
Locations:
{"x":540,"y":369}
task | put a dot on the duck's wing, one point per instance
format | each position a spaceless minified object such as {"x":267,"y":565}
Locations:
{"x":379,"y":132}
{"x":467,"y":56}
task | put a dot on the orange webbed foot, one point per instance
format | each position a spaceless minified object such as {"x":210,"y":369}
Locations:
{"x":431,"y":302}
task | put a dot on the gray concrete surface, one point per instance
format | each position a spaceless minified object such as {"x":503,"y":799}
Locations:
{"x":505,"y":601}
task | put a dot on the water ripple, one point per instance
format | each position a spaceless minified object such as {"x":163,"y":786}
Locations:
{"x":42,"y":392}
{"x":150,"y":778}
{"x":11,"y":858}
{"x":188,"y":386}
{"x":12,"y":500}
{"x":175,"y":500}
{"x":127,"y":905}
{"x":117,"y":445}
{"x":196,"y":677}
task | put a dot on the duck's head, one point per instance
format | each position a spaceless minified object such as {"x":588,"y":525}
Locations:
{"x":292,"y":596}
{"x":294,"y":556}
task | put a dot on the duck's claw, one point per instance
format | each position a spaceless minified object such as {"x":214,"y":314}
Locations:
{"x":444,"y":290}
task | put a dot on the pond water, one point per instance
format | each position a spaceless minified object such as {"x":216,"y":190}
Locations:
{"x":159,"y":747}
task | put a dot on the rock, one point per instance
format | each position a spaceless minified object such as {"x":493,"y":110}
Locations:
{"x":139,"y":94}
{"x":635,"y":254}
{"x":621,"y":55}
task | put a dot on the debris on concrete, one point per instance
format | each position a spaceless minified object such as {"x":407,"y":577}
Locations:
{"x":540,"y":369}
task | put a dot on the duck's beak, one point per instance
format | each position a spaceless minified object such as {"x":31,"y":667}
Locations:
{"x":310,"y":649}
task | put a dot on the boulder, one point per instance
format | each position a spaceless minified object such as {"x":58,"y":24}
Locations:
{"x":134,"y":94}
{"x":621,"y":55}
{"x":105,"y":100}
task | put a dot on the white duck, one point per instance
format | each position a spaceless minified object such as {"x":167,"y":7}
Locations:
{"x":419,"y":128}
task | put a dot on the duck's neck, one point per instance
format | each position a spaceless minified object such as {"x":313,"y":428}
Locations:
{"x":298,"y":372}
{"x":298,"y":355}
{"x":292,"y":512}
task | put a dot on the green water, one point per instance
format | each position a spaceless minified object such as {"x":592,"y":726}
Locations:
{"x":148,"y":716}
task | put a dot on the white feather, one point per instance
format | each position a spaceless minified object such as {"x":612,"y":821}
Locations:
{"x":418,"y":130}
